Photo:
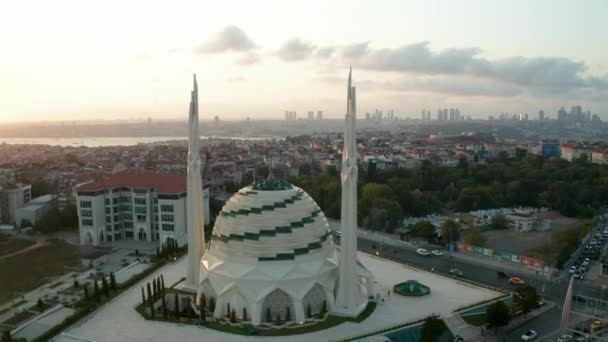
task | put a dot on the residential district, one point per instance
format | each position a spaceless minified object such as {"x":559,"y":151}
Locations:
{"x":127,"y":209}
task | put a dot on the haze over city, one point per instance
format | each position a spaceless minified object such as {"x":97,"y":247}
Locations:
{"x":71,"y":60}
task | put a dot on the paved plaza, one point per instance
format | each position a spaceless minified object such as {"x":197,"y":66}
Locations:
{"x":118,"y":321}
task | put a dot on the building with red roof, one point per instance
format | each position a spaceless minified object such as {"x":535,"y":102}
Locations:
{"x":134,"y":205}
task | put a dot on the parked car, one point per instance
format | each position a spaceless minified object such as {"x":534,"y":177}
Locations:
{"x":438,"y":252}
{"x":597,"y":325}
{"x":456,"y":272}
{"x":502,"y":274}
{"x":422,"y":251}
{"x":572,"y":269}
{"x":579,"y":275}
{"x":516,"y":281}
{"x":529,"y":335}
{"x":564,"y":338}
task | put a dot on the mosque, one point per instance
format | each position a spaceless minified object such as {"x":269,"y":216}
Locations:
{"x":271,"y":257}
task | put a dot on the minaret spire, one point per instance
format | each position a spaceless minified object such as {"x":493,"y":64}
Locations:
{"x":350,"y":300}
{"x":194,"y":200}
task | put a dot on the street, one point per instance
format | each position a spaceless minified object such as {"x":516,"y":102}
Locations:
{"x":545,"y":324}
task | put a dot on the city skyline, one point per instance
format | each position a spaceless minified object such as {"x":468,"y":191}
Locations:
{"x":67,"y":61}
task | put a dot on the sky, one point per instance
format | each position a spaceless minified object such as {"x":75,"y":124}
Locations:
{"x":91,"y":60}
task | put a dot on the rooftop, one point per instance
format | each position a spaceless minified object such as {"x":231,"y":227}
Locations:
{"x":166,"y":183}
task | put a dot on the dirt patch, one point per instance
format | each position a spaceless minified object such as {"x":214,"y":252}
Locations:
{"x":9,"y":246}
{"x":526,"y":243}
{"x":36,"y":245}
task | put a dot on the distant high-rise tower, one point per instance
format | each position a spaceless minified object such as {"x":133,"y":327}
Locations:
{"x":452,"y":114}
{"x":423,"y":115}
{"x":541,"y":115}
{"x":319,"y":115}
{"x":286,"y":115}
{"x":562,"y":114}
{"x":311,"y":115}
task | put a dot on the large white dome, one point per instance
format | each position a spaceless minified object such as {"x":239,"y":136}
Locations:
{"x":271,"y":254}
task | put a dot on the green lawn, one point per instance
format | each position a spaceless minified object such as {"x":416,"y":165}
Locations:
{"x":8,"y":246}
{"x":29,"y":270}
{"x":18,"y":318}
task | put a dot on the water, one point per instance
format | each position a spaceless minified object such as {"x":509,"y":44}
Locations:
{"x":109,"y":141}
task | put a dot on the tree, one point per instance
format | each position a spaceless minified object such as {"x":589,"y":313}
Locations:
{"x":499,"y":221}
{"x":176,"y":306}
{"x":268,"y":315}
{"x":112,"y":281}
{"x":422,"y":229}
{"x":96,"y":291}
{"x":308,"y":310}
{"x":86,"y":291}
{"x":450,"y":231}
{"x":232,"y":316}
{"x":244,"y":313}
{"x":498,"y":314}
{"x":227,"y":309}
{"x":143,"y":296}
{"x":104,"y":286}
{"x":149,"y":291}
{"x":473,"y":236}
{"x":162,"y":283}
{"x":164,"y":306}
{"x":76,"y":283}
{"x":40,"y":187}
{"x":526,"y":298}
{"x":288,"y":314}
{"x":6,"y":336}
{"x":201,"y":308}
{"x":324,"y":307}
{"x":432,"y":329}
{"x":212,"y":304}
{"x":40,"y":304}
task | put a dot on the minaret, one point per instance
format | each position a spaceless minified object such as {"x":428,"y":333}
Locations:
{"x":350,"y":300}
{"x":194,"y":199}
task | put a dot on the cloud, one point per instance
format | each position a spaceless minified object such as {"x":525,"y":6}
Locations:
{"x":355,"y":50}
{"x":249,"y":58}
{"x":324,"y":52}
{"x":295,"y":49}
{"x":231,"y":38}
{"x":551,"y":74}
{"x":237,"y":79}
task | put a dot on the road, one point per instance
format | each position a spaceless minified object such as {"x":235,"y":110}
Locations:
{"x":555,"y":291}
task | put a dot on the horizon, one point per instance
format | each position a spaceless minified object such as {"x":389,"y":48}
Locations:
{"x":65,"y":62}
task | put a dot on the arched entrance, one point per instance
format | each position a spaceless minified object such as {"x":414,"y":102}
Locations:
{"x":141,"y":235}
{"x":101,"y":237}
{"x":313,"y":300}
{"x":88,"y":238}
{"x":277,"y":305}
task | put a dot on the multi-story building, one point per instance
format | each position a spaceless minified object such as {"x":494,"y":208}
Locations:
{"x":138,"y":206}
{"x":549,"y":148}
{"x":12,"y":197}
{"x":33,"y":211}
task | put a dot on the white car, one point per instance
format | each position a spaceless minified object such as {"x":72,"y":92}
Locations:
{"x":422,"y":251}
{"x":438,"y":252}
{"x":456,"y":272}
{"x":529,"y":335}
{"x":564,"y":338}
{"x":572,"y":269}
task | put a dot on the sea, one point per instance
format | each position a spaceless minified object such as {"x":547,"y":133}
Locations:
{"x":111,"y":141}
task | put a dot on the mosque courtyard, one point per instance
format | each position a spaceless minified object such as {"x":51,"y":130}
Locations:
{"x":118,"y":320}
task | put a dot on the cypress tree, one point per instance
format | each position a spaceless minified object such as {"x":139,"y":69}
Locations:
{"x":244,"y":314}
{"x":288,"y":314}
{"x":308,"y":311}
{"x":112,"y":281}
{"x":227,"y":309}
{"x":268,"y":315}
{"x":212,"y":304}
{"x":96,"y":291}
{"x":232,"y":316}
{"x":40,"y":304}
{"x":157,"y":252}
{"x":164,"y":307}
{"x":153,"y":287}
{"x":86,"y":291}
{"x":162,"y":282}
{"x":104,"y":286}
{"x":143,"y":296}
{"x":201,"y":307}
{"x":324,"y":307}
{"x":151,"y":302}
{"x":203,"y":300}
{"x":176,"y":306}
{"x":149,"y":292}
